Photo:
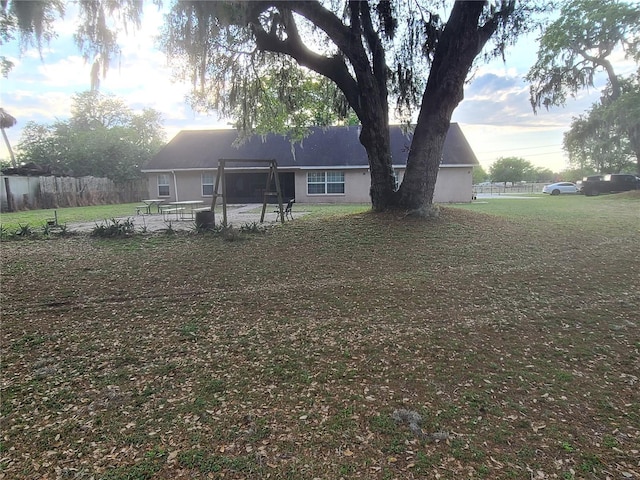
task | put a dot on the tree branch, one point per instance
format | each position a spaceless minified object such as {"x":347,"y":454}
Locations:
{"x":333,"y":67}
{"x":606,"y":64}
{"x":377,"y":50}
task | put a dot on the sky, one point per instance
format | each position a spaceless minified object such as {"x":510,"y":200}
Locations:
{"x":495,"y":115}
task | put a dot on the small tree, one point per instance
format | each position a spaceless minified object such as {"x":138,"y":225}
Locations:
{"x":102,"y":138}
{"x":541,"y":175}
{"x":510,"y":169}
{"x":479,"y":175}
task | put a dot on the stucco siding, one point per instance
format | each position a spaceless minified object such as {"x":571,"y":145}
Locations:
{"x":329,"y":166}
{"x":356,"y":188}
{"x":454,"y":185}
{"x":187,"y":184}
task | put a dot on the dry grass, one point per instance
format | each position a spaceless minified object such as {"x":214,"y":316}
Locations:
{"x":286,"y":355}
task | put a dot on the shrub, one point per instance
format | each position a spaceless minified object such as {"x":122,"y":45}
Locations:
{"x":24,"y":231}
{"x":230,"y":234}
{"x":253,"y":227}
{"x":114,"y":228}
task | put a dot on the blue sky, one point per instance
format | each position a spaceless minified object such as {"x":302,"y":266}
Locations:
{"x":495,"y":115}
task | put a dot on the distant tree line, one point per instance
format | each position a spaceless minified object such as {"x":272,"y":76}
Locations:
{"x":515,"y":169}
{"x":103,"y":138}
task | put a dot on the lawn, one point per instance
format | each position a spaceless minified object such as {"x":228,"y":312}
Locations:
{"x":500,"y":341}
{"x":36,"y":219}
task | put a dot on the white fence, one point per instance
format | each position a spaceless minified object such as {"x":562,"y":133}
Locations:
{"x":501,"y":188}
{"x":26,"y":193}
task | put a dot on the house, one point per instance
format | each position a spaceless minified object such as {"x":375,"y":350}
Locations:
{"x":328,"y":166}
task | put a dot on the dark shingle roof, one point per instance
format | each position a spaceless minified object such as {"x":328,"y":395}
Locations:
{"x":324,"y":147}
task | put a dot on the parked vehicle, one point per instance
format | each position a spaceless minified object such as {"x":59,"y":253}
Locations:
{"x":588,"y":181}
{"x":560,"y":187}
{"x":617,"y":182}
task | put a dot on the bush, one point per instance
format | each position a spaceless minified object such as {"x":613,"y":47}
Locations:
{"x":253,"y":227}
{"x":114,"y":228}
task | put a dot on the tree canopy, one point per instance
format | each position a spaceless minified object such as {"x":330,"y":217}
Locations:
{"x":103,"y":138}
{"x":579,"y":44}
{"x":32,"y":23}
{"x":479,"y":175}
{"x":510,"y":169}
{"x":573,"y":49}
{"x":596,"y":141}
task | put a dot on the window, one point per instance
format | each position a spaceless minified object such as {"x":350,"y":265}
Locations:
{"x":163,"y":185}
{"x":207,"y":184}
{"x":322,"y":183}
{"x":335,"y":182}
{"x":315,"y":183}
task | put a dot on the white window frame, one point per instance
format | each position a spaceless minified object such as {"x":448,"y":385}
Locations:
{"x":207,"y":184}
{"x":328,"y":180}
{"x":164,"y":181}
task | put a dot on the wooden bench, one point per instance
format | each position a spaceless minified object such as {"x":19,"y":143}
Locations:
{"x":202,"y":209}
{"x":140,"y":208}
{"x":287,"y":209}
{"x":168,"y":211}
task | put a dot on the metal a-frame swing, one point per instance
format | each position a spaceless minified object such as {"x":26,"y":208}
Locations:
{"x":273,"y":175}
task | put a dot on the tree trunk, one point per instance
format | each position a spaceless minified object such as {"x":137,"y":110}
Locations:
{"x":423,"y":163}
{"x":460,"y":43}
{"x":375,"y":139}
{"x":6,"y":141}
{"x":11,"y":205}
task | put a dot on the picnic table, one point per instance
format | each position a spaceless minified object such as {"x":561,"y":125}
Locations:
{"x":153,"y":201}
{"x":183,"y":208}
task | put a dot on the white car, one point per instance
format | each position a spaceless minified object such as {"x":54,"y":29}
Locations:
{"x":560,"y":187}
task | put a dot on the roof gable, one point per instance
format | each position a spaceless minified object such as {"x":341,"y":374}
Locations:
{"x":324,"y":147}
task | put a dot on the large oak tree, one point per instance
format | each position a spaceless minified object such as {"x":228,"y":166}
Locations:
{"x":409,"y":52}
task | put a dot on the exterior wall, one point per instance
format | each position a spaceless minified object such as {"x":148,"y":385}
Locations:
{"x":454,"y":185}
{"x":356,"y":188}
{"x":24,"y":191}
{"x":188,"y":184}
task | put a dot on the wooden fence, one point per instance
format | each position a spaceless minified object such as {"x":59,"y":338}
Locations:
{"x":26,"y":193}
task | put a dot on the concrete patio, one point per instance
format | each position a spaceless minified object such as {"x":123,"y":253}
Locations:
{"x":237,"y":215}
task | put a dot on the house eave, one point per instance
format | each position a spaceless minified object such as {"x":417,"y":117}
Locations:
{"x":288,"y":168}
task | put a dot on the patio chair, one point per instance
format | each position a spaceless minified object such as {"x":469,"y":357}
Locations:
{"x":287,"y":209}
